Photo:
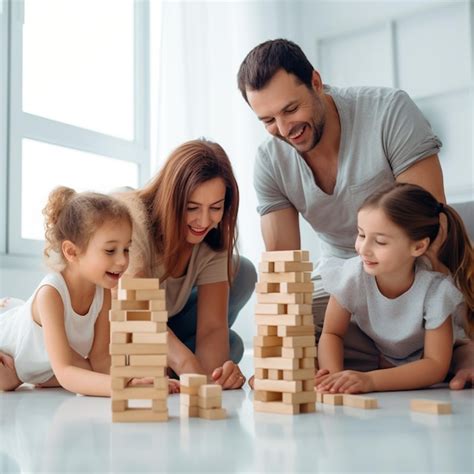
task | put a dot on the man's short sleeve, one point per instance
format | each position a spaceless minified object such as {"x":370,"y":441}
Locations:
{"x":269,"y":195}
{"x":407,"y":135}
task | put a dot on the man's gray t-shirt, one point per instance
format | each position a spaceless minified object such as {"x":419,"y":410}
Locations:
{"x":382,"y":134}
{"x":396,"y":325}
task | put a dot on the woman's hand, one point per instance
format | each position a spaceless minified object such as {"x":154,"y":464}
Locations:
{"x":229,"y":376}
{"x":347,"y":381}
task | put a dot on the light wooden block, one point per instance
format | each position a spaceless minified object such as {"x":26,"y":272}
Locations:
{"x":141,"y":295}
{"x":159,"y":316}
{"x":192,"y":380}
{"x":270,"y":309}
{"x":298,"y":374}
{"x":293,"y":287}
{"x":133,"y":326}
{"x":189,"y":411}
{"x":150,"y":338}
{"x":266,"y":396}
{"x":285,"y":267}
{"x":130,"y":283}
{"x":265,"y":267}
{"x":278,"y":385}
{"x":189,"y":390}
{"x":300,"y":397}
{"x":298,"y":341}
{"x":147,"y":360}
{"x":308,"y":298}
{"x":333,"y":398}
{"x":212,"y":413}
{"x":308,"y":407}
{"x":308,"y":384}
{"x":287,"y":277}
{"x":275,"y":374}
{"x":279,"y":319}
{"x":139,"y":415}
{"x":119,"y":405}
{"x":120,"y":337}
{"x":159,"y":405}
{"x":188,"y":399}
{"x":431,"y":406}
{"x":118,"y":360}
{"x":286,"y":331}
{"x":267,"y":330}
{"x":135,"y":348}
{"x":267,"y":351}
{"x":139,"y":393}
{"x":160,"y":382}
{"x":210,"y":390}
{"x":267,"y":341}
{"x":118,"y":383}
{"x":210,"y":402}
{"x":261,"y":373}
{"x":117,"y":315}
{"x":307,"y":363}
{"x":126,"y":295}
{"x":275,"y":363}
{"x":276,"y":407}
{"x":129,"y":304}
{"x":319,"y":396}
{"x":299,"y":309}
{"x":282,"y":298}
{"x":285,"y":256}
{"x":310,"y":352}
{"x":292,"y":352}
{"x":357,"y":401}
{"x":264,"y":287}
{"x":135,"y":371}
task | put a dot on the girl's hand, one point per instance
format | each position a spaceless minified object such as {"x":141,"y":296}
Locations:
{"x":347,"y":381}
{"x":7,"y":361}
{"x":173,"y":385}
{"x":320,"y":376}
{"x":229,"y":376}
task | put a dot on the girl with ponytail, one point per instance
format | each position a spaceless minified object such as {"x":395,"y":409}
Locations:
{"x":394,"y":297}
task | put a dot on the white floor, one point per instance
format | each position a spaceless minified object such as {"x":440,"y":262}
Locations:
{"x":51,"y":430}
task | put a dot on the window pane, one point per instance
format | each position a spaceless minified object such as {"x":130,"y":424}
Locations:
{"x":78,"y":63}
{"x":46,"y":166}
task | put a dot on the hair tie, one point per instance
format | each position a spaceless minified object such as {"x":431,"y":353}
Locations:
{"x":440,"y":208}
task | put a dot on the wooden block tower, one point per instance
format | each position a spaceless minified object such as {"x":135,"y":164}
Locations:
{"x":138,"y":333}
{"x":284,"y":348}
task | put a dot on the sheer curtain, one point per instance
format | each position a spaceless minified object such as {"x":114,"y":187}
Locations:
{"x":201,"y":47}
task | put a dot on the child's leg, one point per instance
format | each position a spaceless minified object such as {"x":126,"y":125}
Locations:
{"x":8,"y":378}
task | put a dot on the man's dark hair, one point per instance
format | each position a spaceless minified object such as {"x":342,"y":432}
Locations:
{"x":264,"y":61}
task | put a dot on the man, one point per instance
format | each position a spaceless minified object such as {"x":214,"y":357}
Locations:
{"x":330,"y":149}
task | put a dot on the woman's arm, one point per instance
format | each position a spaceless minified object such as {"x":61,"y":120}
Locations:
{"x":180,"y":358}
{"x":99,"y":355}
{"x":51,"y":313}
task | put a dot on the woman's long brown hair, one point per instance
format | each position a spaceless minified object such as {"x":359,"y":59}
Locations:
{"x":166,"y":198}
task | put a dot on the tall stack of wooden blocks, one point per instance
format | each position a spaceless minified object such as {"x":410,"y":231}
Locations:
{"x":138,"y":348}
{"x":284,"y":348}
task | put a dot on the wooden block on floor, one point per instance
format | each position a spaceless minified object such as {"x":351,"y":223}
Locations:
{"x":130,"y":283}
{"x":210,"y":402}
{"x":282,"y":298}
{"x":119,"y":405}
{"x":333,"y":398}
{"x":135,"y":348}
{"x":192,"y":380}
{"x":189,"y":400}
{"x":293,"y":287}
{"x":279,"y":319}
{"x":287,"y":331}
{"x":265,"y":267}
{"x":292,"y":352}
{"x":300,"y":397}
{"x":357,"y":401}
{"x":266,"y":396}
{"x":210,"y":390}
{"x":285,"y":267}
{"x":133,"y":326}
{"x":212,"y":413}
{"x":149,"y":338}
{"x":139,"y":393}
{"x":267,"y":341}
{"x":275,"y":374}
{"x":118,"y":383}
{"x":286,"y":256}
{"x":299,"y":309}
{"x":275,"y":363}
{"x":134,"y":371}
{"x":298,"y":374}
{"x":189,"y":411}
{"x":319,"y":396}
{"x":287,"y":277}
{"x":119,"y":360}
{"x":266,"y":330}
{"x":265,"y":287}
{"x":270,"y":308}
{"x":141,"y":295}
{"x":147,"y":360}
{"x":139,"y":415}
{"x":278,"y":385}
{"x":298,"y":341}
{"x":276,"y":407}
{"x":435,"y":407}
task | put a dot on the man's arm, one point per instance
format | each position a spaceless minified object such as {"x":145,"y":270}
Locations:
{"x":281,"y":230}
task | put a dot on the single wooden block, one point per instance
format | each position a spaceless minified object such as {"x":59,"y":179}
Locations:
{"x":149,"y":338}
{"x":282,"y":298}
{"x":293,"y":287}
{"x":189,"y":411}
{"x":298,"y":374}
{"x":117,"y":315}
{"x":261,"y":373}
{"x":157,"y":305}
{"x":265,"y":287}
{"x":308,"y":384}
{"x":188,"y":399}
{"x":212,"y":413}
{"x":126,"y":295}
{"x":130,"y":304}
{"x":265,"y":267}
{"x":275,"y":363}
{"x":189,"y":390}
{"x":160,"y":382}
{"x":159,"y":316}
{"x":357,"y":401}
{"x":300,"y":397}
{"x":292,"y":352}
{"x":266,"y":396}
{"x":210,"y":390}
{"x":299,"y":309}
{"x":135,"y":348}
{"x":276,"y":407}
{"x":435,"y":407}
{"x":307,"y":363}
{"x":310,"y":352}
{"x":275,"y":374}
{"x":159,"y":405}
{"x":285,"y":256}
{"x":210,"y":402}
{"x":139,"y":393}
{"x":270,"y":309}
{"x":134,"y":371}
{"x":133,"y":326}
{"x":267,"y":330}
{"x":279,"y":319}
{"x":138,"y":315}
{"x":120,"y":337}
{"x":147,"y":360}
{"x":278,"y":385}
{"x":290,"y":277}
{"x":285,"y":267}
{"x":333,"y":398}
{"x":298,"y":341}
{"x":118,"y":383}
{"x":130,"y":283}
{"x":119,"y":405}
{"x":119,"y":360}
{"x":308,"y":298}
{"x":267,"y":341}
{"x":139,"y":415}
{"x":192,"y":380}
{"x":319,"y":396}
{"x":308,"y":407}
{"x":141,"y":295}
{"x":286,"y":331}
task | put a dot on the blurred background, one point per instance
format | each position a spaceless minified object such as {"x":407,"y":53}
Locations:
{"x":94,"y":94}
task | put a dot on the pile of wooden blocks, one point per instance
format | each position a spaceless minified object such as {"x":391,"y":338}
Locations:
{"x":284,"y":349}
{"x":198,"y":399}
{"x":138,"y":348}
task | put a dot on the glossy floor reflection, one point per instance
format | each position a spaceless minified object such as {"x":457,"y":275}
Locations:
{"x":50,"y":430}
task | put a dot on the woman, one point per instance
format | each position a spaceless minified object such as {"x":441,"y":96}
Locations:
{"x":184,"y":232}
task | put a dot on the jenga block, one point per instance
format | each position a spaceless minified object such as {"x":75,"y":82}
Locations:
{"x":141,"y":295}
{"x":275,"y":374}
{"x":267,"y":341}
{"x":119,"y":405}
{"x":267,"y":351}
{"x":129,"y":304}
{"x":188,"y":399}
{"x":210,"y":402}
{"x":308,"y":298}
{"x":298,"y":374}
{"x":126,"y":295}
{"x":118,"y":383}
{"x":293,"y":267}
{"x":270,"y":309}
{"x":357,"y":401}
{"x":212,"y":413}
{"x":299,"y":309}
{"x":279,"y":320}
{"x":135,"y":348}
{"x":133,"y":326}
{"x":276,"y":407}
{"x":129,"y":283}
{"x":210,"y":390}
{"x":308,"y":407}
{"x":333,"y":398}
{"x":261,"y":373}
{"x":160,"y":382}
{"x":306,"y":319}
{"x":278,"y":385}
{"x":291,"y":277}
{"x":159,"y":405}
{"x":307,"y":363}
{"x":265,"y":267}
{"x":310,"y":352}
{"x":192,"y":380}
{"x":117,"y":315}
{"x":188,"y":411}
{"x":134,"y":371}
{"x":286,"y":256}
{"x":139,"y":415}
{"x":298,"y":341}
{"x":150,"y":338}
{"x":266,"y":396}
{"x":280,"y":298}
{"x":147,"y":360}
{"x":308,"y":385}
{"x":157,"y":305}
{"x":291,"y":287}
{"x":300,"y":397}
{"x":275,"y":363}
{"x":285,"y":331}
{"x":159,"y":316}
{"x":267,"y":330}
{"x":431,"y":406}
{"x":120,"y":337}
{"x":139,"y":393}
{"x":263,"y":287}
{"x":189,"y":390}
{"x":292,"y":352}
{"x":319,"y":396}
{"x":119,"y":360}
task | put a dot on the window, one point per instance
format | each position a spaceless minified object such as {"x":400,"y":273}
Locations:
{"x":78,"y":110}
